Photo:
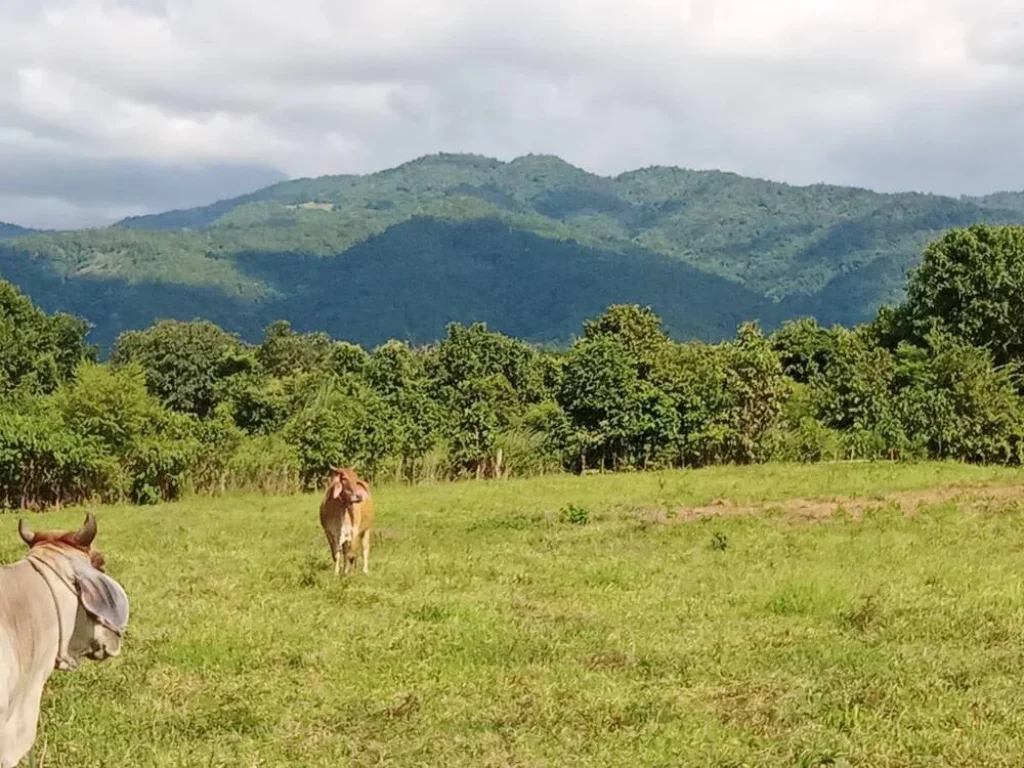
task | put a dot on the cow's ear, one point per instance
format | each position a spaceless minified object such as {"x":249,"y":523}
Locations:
{"x":101,"y":596}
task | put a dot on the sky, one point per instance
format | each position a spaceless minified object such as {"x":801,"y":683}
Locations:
{"x":119,"y":107}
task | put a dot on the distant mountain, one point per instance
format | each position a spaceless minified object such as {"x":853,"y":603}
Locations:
{"x":532,"y":246}
{"x":12,"y":230}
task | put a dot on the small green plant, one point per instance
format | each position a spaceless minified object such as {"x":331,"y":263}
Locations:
{"x":574,"y":515}
{"x":719,"y":541}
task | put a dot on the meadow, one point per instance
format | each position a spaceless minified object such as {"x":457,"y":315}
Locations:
{"x":776,"y":615}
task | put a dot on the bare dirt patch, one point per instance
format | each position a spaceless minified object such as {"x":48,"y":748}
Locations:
{"x":821,"y":509}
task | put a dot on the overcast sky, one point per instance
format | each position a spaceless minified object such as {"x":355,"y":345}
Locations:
{"x":115,"y":107}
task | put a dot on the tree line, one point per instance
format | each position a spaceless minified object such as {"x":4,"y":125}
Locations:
{"x":187,"y":407}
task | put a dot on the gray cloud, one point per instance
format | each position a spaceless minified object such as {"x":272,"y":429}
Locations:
{"x":126,"y":182}
{"x":68,"y":191}
{"x":129,"y":105}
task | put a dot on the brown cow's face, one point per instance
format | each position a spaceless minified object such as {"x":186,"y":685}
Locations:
{"x":345,"y":486}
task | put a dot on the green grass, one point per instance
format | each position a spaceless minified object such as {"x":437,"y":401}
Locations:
{"x":544,"y":622}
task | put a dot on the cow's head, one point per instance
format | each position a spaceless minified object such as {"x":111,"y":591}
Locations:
{"x":346,"y":486}
{"x":102,"y":603}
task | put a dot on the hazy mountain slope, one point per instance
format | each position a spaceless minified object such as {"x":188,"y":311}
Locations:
{"x":491,"y":239}
{"x":516,"y":281}
{"x":12,"y":230}
{"x":775,"y":238}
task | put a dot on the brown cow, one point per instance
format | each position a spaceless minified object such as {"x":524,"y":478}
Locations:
{"x":346,"y":514}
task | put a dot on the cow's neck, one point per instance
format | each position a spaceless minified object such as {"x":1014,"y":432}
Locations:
{"x":52,"y":567}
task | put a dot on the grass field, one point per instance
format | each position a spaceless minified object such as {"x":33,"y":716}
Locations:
{"x":650,"y":624}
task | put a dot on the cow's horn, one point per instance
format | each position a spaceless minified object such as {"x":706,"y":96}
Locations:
{"x":23,"y":530}
{"x":87,"y":532}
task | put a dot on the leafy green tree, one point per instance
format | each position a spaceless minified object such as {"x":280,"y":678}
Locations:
{"x":616,"y":418}
{"x":37,"y":351}
{"x":259,"y":404}
{"x":804,"y":348}
{"x":696,"y":380}
{"x":349,"y":425}
{"x":759,"y":389}
{"x":728,"y":396}
{"x":609,"y":388}
{"x":398,"y":374}
{"x":956,"y":404}
{"x":483,"y":383}
{"x":854,"y":391}
{"x":43,"y":463}
{"x":970,"y":285}
{"x":285,"y":352}
{"x":345,"y":358}
{"x":183,"y":361}
{"x":482,"y":407}
{"x":638,"y":329}
{"x":218,"y":438}
{"x":599,"y":379}
{"x":473,"y":352}
{"x":111,"y":407}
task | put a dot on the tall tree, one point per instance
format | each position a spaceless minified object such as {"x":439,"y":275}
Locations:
{"x":183,"y":361}
{"x":970,"y":285}
{"x":38,"y":351}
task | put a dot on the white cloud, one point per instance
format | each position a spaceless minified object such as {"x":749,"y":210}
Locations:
{"x":892,"y":94}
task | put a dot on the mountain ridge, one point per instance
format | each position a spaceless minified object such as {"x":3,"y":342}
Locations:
{"x":8,"y":230}
{"x":759,"y":249}
{"x":999,"y":199}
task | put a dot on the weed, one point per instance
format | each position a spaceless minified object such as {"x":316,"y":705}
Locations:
{"x":574,"y":515}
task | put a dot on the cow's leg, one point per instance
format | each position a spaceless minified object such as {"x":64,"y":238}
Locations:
{"x":366,"y":551}
{"x":348,"y":552}
{"x":18,"y":734}
{"x":332,"y":542}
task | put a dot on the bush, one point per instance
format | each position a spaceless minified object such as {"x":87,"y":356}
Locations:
{"x":43,"y":463}
{"x":343,"y":428}
{"x":265,"y":463}
{"x":809,"y":441}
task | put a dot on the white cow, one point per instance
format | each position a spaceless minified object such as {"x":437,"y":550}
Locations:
{"x":56,"y":606}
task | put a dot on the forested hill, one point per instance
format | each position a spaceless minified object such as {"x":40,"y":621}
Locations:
{"x":12,"y":230}
{"x":531,"y":246}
